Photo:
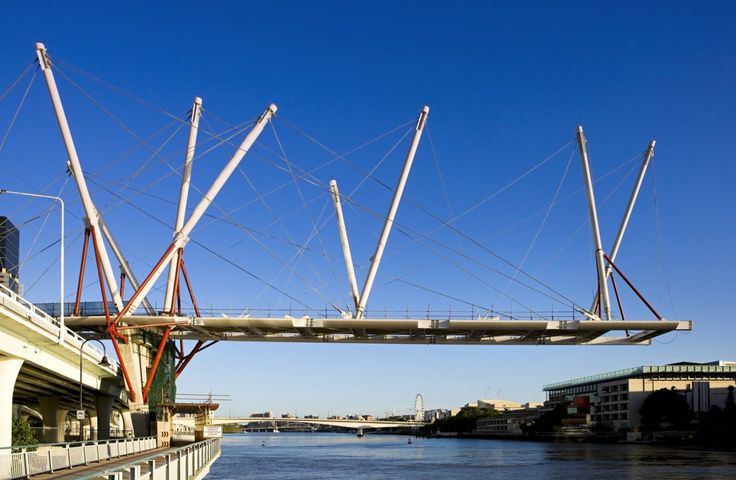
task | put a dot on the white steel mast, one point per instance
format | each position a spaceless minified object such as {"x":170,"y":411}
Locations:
{"x":627,"y":213}
{"x":182,"y":237}
{"x":602,"y":281}
{"x":345,"y":244}
{"x":124,"y":266}
{"x":186,"y":177}
{"x":376,"y":260}
{"x":76,"y":169}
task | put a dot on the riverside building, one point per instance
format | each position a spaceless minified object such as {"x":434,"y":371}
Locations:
{"x":616,"y":397}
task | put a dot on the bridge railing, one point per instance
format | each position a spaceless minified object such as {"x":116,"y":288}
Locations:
{"x":182,"y":463}
{"x":21,"y":462}
{"x":45,"y":321}
{"x":97,"y":308}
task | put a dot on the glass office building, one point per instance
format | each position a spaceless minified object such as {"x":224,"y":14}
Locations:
{"x":9,"y":253}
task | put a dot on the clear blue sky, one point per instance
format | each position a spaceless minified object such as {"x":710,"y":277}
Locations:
{"x":507,"y":85}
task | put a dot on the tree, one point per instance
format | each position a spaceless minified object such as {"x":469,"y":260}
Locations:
{"x":730,"y":405}
{"x":463,"y":422}
{"x":22,"y":433}
{"x":665,"y":408}
{"x":548,"y":421}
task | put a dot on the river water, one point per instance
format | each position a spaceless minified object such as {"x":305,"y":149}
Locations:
{"x":333,"y":455}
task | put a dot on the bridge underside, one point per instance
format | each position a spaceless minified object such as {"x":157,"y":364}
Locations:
{"x":404,"y":331}
{"x":33,"y":382}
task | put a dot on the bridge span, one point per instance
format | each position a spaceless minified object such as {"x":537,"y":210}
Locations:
{"x":336,"y":422}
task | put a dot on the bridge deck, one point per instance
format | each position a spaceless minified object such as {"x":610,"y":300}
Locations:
{"x":493,"y":331}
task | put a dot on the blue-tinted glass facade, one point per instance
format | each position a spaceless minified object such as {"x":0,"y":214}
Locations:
{"x":9,"y":250}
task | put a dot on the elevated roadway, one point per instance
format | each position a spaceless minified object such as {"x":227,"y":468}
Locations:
{"x":40,"y":368}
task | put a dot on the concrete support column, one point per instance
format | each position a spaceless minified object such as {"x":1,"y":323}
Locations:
{"x":53,"y":419}
{"x":92,"y":423}
{"x":127,"y":424}
{"x":104,"y":415}
{"x":9,"y":368}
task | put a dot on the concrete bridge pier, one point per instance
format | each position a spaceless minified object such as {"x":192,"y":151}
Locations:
{"x":9,"y":368}
{"x":127,"y":423}
{"x":104,"y":405}
{"x":91,"y":424}
{"x":53,"y":418}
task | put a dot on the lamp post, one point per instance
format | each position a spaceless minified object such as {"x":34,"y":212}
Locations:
{"x":103,"y":363}
{"x":62,"y":329}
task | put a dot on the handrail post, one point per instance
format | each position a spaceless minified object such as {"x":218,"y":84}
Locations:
{"x":26,"y":467}
{"x":68,"y":456}
{"x":186,"y":461}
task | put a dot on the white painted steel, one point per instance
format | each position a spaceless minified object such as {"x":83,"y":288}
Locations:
{"x":186,"y":176}
{"x":345,"y":243}
{"x":602,"y":282}
{"x":182,"y":238}
{"x":123,"y":262}
{"x":493,"y":331}
{"x":376,"y":259}
{"x":627,"y":213}
{"x":76,"y":169}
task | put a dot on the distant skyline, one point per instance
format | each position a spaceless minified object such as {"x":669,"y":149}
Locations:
{"x":507,"y":86}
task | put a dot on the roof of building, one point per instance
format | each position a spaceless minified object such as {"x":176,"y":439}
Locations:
{"x":679,"y":367}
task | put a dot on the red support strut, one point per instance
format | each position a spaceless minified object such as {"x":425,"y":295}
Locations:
{"x":156,"y":360}
{"x":82,"y":266}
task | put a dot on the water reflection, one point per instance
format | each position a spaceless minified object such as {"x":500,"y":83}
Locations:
{"x":317,"y":455}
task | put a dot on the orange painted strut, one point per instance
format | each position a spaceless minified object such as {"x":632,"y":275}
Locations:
{"x":111,"y":330}
{"x":156,"y":361}
{"x":137,"y":293}
{"x":80,"y":282}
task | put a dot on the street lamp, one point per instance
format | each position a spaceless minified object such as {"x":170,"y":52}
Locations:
{"x":62,"y":329}
{"x":103,"y":363}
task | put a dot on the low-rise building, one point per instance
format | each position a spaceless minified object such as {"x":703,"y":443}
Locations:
{"x":615,"y":397}
{"x":509,"y":422}
{"x":439,"y":414}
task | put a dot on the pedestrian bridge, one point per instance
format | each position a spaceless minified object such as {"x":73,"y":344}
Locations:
{"x":331,"y":422}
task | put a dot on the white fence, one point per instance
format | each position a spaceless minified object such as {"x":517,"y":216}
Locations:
{"x":48,"y":458}
{"x":184,"y":463}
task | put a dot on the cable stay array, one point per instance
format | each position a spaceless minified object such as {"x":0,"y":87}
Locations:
{"x":306,"y":262}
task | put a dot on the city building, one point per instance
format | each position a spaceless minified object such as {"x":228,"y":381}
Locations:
{"x":502,"y":405}
{"x":508,"y":422}
{"x":615,"y":397}
{"x":9,"y":254}
{"x":439,"y":414}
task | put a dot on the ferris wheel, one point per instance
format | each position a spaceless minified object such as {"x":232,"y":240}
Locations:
{"x":419,"y":408}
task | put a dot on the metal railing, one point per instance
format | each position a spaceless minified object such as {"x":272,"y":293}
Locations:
{"x":182,"y":463}
{"x":97,"y":309}
{"x":22,"y":462}
{"x":45,"y":321}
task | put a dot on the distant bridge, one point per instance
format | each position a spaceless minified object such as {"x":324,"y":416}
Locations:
{"x":331,"y":422}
